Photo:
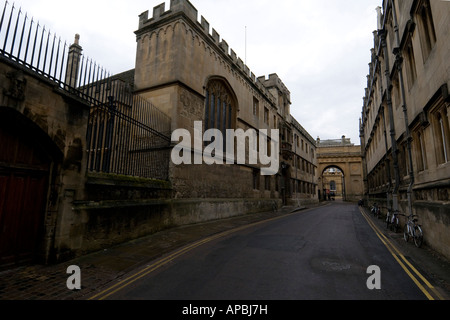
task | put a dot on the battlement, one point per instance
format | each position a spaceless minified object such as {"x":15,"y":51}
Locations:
{"x":274,"y":81}
{"x":185,"y":8}
{"x":159,"y":12}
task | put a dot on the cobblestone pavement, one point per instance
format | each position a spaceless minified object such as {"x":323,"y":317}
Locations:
{"x":101,"y":269}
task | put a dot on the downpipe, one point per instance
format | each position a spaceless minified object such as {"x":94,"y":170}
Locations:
{"x":399,"y":61}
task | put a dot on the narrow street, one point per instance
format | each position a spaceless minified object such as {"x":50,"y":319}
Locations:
{"x":317,"y":254}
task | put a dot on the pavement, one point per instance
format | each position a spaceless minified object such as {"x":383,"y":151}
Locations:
{"x":432,"y":265}
{"x":104,"y":268}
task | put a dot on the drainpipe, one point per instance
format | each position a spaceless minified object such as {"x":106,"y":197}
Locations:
{"x":388,"y":164}
{"x":394,"y":149}
{"x":363,"y":156}
{"x":399,"y":61}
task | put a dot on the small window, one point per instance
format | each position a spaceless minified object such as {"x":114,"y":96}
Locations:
{"x":266,"y":115}
{"x":255,"y":107}
{"x":332,"y":185}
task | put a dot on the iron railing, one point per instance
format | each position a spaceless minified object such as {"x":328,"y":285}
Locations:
{"x":126,"y":133}
{"x":121,"y":138}
{"x":24,"y":40}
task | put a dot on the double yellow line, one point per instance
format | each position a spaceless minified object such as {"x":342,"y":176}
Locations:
{"x":164,"y":261}
{"x":424,"y":285}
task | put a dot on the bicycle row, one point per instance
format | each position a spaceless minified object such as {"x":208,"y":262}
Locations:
{"x":411,"y":230}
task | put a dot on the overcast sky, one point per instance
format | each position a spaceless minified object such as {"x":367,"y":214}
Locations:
{"x":319,"y":48}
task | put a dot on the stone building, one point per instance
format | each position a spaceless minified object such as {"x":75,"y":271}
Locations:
{"x":340,"y":169}
{"x":405,"y":120}
{"x":96,"y":149}
{"x":189,"y":72}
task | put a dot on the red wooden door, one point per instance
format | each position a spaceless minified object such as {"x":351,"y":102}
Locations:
{"x":24,"y":172}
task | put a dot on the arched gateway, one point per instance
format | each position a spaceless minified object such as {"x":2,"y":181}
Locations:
{"x":26,"y":159}
{"x":340,"y":168}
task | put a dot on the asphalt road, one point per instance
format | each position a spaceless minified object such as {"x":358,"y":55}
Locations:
{"x":317,"y":254}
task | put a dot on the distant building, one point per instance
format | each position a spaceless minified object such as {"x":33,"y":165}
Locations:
{"x":340,"y":169}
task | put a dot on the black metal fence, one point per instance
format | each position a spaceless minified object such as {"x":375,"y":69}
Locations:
{"x":126,"y":133}
{"x":121,"y":138}
{"x":25,"y":41}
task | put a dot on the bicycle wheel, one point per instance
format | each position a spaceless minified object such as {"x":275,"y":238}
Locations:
{"x":418,"y":236}
{"x":405,"y":233}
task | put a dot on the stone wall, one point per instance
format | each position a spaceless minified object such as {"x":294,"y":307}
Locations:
{"x":121,"y":208}
{"x":58,"y":122}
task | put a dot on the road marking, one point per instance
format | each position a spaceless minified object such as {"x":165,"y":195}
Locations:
{"x":404,"y":263}
{"x":162,"y":262}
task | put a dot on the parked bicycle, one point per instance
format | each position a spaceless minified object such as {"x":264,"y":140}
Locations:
{"x":413,"y":230}
{"x":375,"y":210}
{"x":392,"y":221}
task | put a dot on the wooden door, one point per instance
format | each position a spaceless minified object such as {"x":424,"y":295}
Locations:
{"x":24,"y":172}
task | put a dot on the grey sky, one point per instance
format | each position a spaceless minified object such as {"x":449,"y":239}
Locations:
{"x":319,"y":48}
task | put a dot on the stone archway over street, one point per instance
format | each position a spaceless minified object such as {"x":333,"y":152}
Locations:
{"x":346,"y":159}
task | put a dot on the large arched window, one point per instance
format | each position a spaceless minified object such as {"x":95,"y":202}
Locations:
{"x":220,"y":106}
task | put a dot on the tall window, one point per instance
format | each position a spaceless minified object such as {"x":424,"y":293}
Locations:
{"x":426,"y":28}
{"x":266,"y":115}
{"x":220,"y":107}
{"x":255,"y":107}
{"x":396,"y":92}
{"x":410,"y":63}
{"x":442,"y":133}
{"x":443,"y":139}
{"x":421,"y":155}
